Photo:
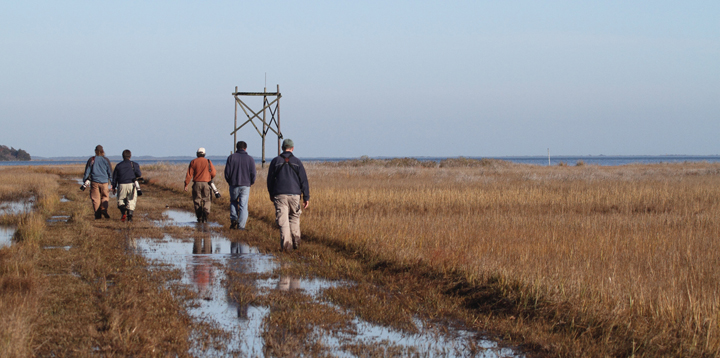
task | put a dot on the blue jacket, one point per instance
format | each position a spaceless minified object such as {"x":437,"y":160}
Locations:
{"x":240,"y":169}
{"x":125,"y":173}
{"x":98,"y":170}
{"x":286,"y":175}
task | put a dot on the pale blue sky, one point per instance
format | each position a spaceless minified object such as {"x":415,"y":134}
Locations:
{"x":378,"y":78}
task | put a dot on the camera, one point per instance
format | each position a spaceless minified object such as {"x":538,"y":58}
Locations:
{"x":137,"y":185}
{"x":85,"y":185}
{"x":214,"y":189}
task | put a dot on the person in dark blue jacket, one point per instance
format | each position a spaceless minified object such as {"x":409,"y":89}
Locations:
{"x":286,"y":181}
{"x":240,"y":174}
{"x":123,"y":183}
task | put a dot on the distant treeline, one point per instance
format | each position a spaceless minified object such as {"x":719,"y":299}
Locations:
{"x":412,"y":162}
{"x":12,"y":154}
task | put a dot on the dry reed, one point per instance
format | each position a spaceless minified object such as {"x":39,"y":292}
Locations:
{"x":622,"y":256}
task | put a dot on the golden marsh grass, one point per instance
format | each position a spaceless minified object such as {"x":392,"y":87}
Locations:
{"x":622,"y":256}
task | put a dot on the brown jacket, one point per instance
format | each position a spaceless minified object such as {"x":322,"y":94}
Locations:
{"x":201,"y":170}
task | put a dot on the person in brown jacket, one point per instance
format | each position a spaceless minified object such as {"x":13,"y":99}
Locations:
{"x":201,"y":171}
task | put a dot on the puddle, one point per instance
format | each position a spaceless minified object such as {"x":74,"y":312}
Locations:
{"x":202,"y":259}
{"x":58,"y":219}
{"x":197,"y":258}
{"x":65,"y":200}
{"x":182,"y":218}
{"x":6,"y":235}
{"x":79,"y":181}
{"x":311,"y":287}
{"x":66,"y":248}
{"x":432,"y":342}
{"x":16,"y":207}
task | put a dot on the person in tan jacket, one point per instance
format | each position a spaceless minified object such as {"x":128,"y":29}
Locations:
{"x":201,"y":171}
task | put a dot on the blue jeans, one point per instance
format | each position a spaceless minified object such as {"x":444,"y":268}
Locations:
{"x":239,"y":204}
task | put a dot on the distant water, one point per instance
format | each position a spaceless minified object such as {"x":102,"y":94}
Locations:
{"x":570,"y":160}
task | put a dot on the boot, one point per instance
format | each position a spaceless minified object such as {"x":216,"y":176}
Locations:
{"x":233,"y":224}
{"x":105,"y":213}
{"x":129,"y":215}
{"x":122,"y":211}
{"x":98,"y":214}
{"x":199,"y":215}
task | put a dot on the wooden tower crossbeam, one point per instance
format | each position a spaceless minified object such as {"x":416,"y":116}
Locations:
{"x":273,"y":124}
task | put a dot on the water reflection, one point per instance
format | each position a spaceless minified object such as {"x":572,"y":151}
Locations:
{"x":181,"y":218}
{"x":288,"y":283}
{"x":199,"y":259}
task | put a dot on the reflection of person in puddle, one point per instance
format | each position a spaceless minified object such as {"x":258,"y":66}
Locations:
{"x":202,"y":268}
{"x":287,"y":283}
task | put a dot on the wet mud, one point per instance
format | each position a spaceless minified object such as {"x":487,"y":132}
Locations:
{"x":211,"y":263}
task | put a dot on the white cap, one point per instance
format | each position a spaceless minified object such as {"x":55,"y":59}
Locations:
{"x":201,"y":150}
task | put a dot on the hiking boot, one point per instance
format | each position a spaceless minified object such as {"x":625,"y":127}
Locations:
{"x":129,"y":215}
{"x":98,"y":215}
{"x":105,"y":214}
{"x":233,"y":224}
{"x":123,"y":218}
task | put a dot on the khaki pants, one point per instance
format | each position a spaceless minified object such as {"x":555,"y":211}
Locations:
{"x":201,"y":194}
{"x":100,"y":196}
{"x":126,"y":195}
{"x":287,"y":216}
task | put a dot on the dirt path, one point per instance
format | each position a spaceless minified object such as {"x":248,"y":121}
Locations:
{"x":164,"y":285}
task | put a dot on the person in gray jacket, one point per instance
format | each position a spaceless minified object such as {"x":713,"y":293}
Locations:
{"x":98,"y":171}
{"x":286,"y":181}
{"x":240,"y":174}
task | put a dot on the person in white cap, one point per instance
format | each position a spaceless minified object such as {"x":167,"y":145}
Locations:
{"x":201,"y":171}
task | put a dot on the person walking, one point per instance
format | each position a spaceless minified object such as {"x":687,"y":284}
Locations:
{"x":286,"y":181}
{"x":201,"y":171}
{"x":240,"y":174}
{"x":123,"y":183}
{"x":98,"y":171}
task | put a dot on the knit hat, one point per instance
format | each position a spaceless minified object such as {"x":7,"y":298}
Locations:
{"x":201,"y":150}
{"x":288,"y":143}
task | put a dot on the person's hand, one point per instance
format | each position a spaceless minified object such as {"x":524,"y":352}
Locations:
{"x":305,"y":204}
{"x":186,"y":187}
{"x":114,"y":191}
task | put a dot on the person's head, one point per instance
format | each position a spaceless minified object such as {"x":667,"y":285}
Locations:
{"x":201,"y":152}
{"x":288,"y":144}
{"x":241,"y":146}
{"x":126,"y":154}
{"x":99,"y":150}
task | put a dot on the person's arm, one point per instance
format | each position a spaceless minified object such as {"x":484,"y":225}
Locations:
{"x":113,"y":181}
{"x":136,"y":169}
{"x":305,"y":186}
{"x":227,"y":170}
{"x":190,"y":174}
{"x":253,"y":171}
{"x":88,"y":168}
{"x":109,"y":168}
{"x":271,"y":179}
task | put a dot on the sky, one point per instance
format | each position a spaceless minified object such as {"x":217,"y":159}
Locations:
{"x":377,"y":78}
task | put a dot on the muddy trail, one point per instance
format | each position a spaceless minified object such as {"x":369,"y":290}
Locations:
{"x":165,"y":285}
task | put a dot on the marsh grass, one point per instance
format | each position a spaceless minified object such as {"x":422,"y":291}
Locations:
{"x":582,"y":260}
